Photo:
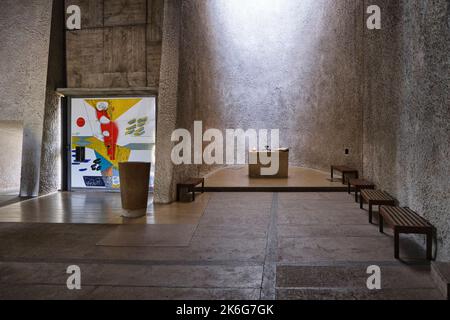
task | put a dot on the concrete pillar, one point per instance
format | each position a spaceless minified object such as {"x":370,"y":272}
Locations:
{"x":34,"y":110}
{"x":25,"y":37}
{"x":50,"y":170}
{"x":167,"y":102}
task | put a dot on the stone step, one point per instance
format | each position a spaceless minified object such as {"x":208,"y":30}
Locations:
{"x":398,"y":282}
{"x":440,"y":271}
{"x":357,"y":294}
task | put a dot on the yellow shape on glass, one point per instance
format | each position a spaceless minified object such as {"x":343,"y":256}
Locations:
{"x":117,"y":107}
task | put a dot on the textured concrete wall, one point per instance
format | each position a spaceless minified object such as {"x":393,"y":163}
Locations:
{"x":288,"y":65}
{"x":118,"y":46}
{"x":10,"y":155}
{"x":25,"y":34}
{"x":167,"y":102}
{"x":50,"y":173}
{"x":406,"y":110}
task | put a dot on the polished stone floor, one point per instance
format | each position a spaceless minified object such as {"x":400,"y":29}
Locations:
{"x":225,"y":246}
{"x":298,"y":177}
{"x":98,"y":208}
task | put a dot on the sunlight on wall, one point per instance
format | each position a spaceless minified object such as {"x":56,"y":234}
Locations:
{"x":265,"y":35}
{"x":255,"y":25}
{"x":11,"y":135}
{"x":275,"y":64}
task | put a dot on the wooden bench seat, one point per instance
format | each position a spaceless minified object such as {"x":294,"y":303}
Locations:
{"x":375,"y":198}
{"x":405,"y":220}
{"x":190,"y":185}
{"x":358,"y":185}
{"x":345,"y":171}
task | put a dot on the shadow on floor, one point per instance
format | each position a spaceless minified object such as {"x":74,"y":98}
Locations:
{"x":6,"y":200}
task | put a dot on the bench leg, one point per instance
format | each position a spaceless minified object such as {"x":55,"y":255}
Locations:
{"x":430,"y":246}
{"x":381,"y":223}
{"x":356,"y":195}
{"x":396,"y":244}
{"x":343,"y":178}
{"x":193,"y":194}
{"x":361,"y":205}
{"x":332,"y":174}
{"x":203,"y":186}
{"x":370,"y":213}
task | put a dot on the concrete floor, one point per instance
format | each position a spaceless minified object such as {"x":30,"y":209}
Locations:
{"x":242,"y":246}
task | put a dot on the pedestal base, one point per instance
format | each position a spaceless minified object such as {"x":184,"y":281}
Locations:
{"x":134,"y":214}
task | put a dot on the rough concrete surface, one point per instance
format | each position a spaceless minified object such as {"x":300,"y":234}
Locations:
{"x":10,"y":155}
{"x":167,"y":102}
{"x":25,"y":35}
{"x":406,"y":109}
{"x":118,"y":46}
{"x":50,"y":172}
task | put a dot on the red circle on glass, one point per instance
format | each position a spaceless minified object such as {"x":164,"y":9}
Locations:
{"x":81,"y":122}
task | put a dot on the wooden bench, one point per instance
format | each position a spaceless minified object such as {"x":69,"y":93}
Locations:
{"x":404,"y":220}
{"x":375,"y":198}
{"x":345,"y":171}
{"x":359,"y":184}
{"x":190,"y":185}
